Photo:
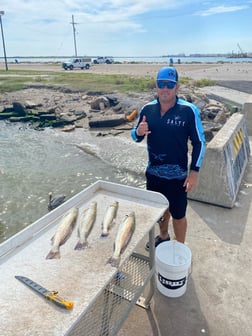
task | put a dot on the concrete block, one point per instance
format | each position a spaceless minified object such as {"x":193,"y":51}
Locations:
{"x":223,"y":167}
{"x":247,"y":111}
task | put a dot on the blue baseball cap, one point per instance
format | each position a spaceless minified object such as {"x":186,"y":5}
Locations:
{"x":168,"y":73}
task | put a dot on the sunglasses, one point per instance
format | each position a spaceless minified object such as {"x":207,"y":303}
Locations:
{"x":169,"y":85}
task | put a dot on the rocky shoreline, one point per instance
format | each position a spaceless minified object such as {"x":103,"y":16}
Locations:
{"x":109,"y":114}
{"x":67,"y":109}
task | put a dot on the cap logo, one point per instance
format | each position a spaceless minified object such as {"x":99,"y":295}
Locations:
{"x":172,"y":74}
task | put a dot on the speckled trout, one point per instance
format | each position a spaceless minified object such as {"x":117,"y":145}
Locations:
{"x":85,"y":224}
{"x":124,"y":234}
{"x":63,"y":232}
{"x":109,"y":218}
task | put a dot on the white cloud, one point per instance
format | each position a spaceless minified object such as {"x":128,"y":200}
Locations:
{"x":45,"y":26}
{"x":220,"y":10}
{"x":116,"y":27}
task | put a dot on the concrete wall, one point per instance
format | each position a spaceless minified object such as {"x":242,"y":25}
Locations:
{"x":224,"y":164}
{"x":247,"y":111}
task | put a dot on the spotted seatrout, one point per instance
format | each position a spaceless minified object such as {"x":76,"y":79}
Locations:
{"x":85,"y":224}
{"x":63,"y":232}
{"x":109,"y":218}
{"x":124,"y":234}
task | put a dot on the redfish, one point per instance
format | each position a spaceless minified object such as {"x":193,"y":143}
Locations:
{"x":109,"y":218}
{"x":85,"y":224}
{"x":123,"y":237}
{"x":63,"y":232}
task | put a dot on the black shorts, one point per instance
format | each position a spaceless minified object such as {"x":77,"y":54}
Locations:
{"x":173,"y":190}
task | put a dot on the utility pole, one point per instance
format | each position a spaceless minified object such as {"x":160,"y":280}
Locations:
{"x":5,"y":58}
{"x":74,"y":34}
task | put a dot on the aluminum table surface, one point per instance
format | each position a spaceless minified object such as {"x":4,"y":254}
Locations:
{"x":78,"y":276}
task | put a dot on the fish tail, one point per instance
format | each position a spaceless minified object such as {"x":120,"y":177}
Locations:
{"x":81,"y":246}
{"x":104,"y":234}
{"x":53,"y":255}
{"x":114,"y":261}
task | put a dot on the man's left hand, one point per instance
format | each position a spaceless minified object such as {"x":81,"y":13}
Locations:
{"x":191,"y":180}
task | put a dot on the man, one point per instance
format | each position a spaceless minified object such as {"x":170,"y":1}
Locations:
{"x":169,"y":122}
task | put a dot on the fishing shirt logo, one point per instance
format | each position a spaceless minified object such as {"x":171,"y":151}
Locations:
{"x":176,"y":121}
{"x":171,"y":284}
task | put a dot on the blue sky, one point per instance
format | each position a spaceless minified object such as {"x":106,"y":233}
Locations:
{"x":125,"y":27}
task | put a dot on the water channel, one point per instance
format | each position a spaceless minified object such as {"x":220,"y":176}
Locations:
{"x":34,"y":163}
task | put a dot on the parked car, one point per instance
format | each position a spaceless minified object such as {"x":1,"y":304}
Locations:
{"x":103,"y":59}
{"x":77,"y":63}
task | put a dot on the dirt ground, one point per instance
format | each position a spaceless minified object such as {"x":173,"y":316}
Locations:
{"x":215,"y":71}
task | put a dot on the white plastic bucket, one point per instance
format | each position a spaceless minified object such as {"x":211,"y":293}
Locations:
{"x":173,"y":262}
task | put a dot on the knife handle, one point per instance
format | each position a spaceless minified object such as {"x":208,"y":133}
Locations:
{"x":52,"y":296}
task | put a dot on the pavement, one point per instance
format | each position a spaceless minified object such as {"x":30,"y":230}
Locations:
{"x":226,"y":95}
{"x":218,"y":298}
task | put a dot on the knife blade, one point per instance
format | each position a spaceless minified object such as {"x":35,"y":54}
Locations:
{"x":49,"y":295}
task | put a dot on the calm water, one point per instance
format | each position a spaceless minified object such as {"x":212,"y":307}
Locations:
{"x":145,"y":59}
{"x":33,"y":163}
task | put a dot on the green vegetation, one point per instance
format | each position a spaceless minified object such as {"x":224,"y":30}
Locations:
{"x":13,"y":83}
{"x":19,"y":79}
{"x":203,"y":82}
{"x":184,"y":80}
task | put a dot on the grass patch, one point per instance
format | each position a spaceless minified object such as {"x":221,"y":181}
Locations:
{"x":185,"y":80}
{"x":19,"y":79}
{"x":204,"y":82}
{"x":16,"y":80}
{"x":13,"y":83}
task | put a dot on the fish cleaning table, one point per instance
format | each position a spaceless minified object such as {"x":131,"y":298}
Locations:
{"x":103,"y":295}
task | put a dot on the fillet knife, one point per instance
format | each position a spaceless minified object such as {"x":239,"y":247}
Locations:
{"x":49,"y":295}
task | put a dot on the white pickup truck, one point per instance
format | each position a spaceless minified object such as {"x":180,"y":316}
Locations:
{"x":77,"y":63}
{"x":103,"y":59}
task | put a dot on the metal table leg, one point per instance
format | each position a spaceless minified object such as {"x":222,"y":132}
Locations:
{"x":145,"y":301}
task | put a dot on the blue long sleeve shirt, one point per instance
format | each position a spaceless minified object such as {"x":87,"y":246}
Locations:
{"x":167,"y":143}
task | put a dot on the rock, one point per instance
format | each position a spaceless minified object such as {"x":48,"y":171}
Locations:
{"x":58,"y":107}
{"x":107,"y":121}
{"x":95,"y":104}
{"x":19,"y":109}
{"x":68,"y":128}
{"x":80,"y":114}
{"x":188,"y":97}
{"x":101,"y":106}
{"x":220,"y":117}
{"x":113,"y":100}
{"x":27,"y":118}
{"x":210,"y":111}
{"x":59,"y":123}
{"x":45,"y":116}
{"x":7,"y":115}
{"x":7,"y":109}
{"x":117,"y":107}
{"x":79,"y":123}
{"x":209,"y":135}
{"x":68,"y":118}
{"x":30,"y":105}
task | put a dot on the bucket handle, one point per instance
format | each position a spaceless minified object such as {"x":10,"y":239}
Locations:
{"x":190,"y":269}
